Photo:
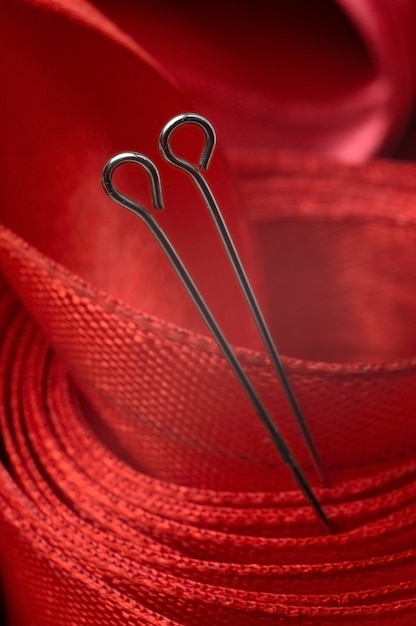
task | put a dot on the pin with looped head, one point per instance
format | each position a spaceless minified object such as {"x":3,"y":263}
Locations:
{"x":145,"y":215}
{"x":212,"y":205}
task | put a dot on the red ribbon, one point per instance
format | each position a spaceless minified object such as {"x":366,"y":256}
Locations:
{"x":137,"y":485}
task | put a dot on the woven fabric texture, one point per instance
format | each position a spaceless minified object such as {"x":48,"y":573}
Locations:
{"x":191,"y":518}
{"x":137,"y":485}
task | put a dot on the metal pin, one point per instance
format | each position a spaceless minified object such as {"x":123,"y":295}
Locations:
{"x":163,"y":240}
{"x":208,"y":196}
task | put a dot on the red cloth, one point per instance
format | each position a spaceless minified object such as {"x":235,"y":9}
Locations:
{"x":137,"y":486}
{"x":333,"y":76}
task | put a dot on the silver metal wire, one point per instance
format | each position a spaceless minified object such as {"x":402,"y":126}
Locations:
{"x":211,"y":203}
{"x":174,"y":258}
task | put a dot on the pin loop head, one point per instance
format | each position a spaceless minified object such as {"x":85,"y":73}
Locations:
{"x":116,"y":195}
{"x":181,"y":120}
